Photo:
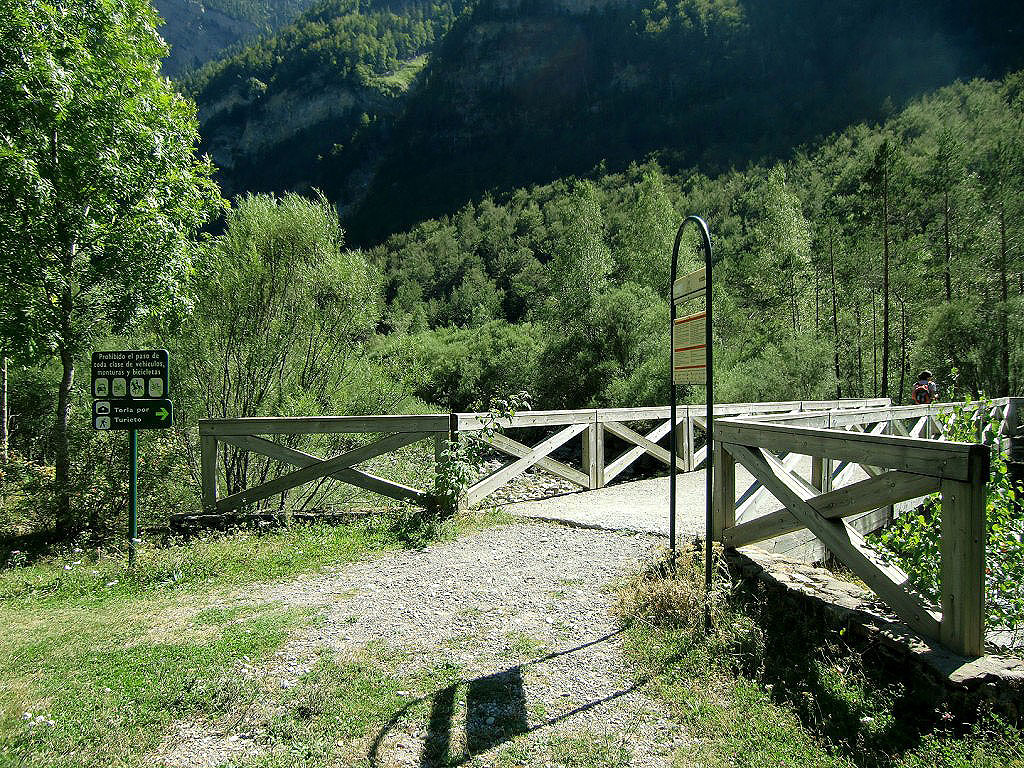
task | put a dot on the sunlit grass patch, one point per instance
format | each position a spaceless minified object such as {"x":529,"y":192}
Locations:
{"x":90,"y":686}
{"x":767,"y":687}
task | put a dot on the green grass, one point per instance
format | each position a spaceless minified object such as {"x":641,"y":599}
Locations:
{"x":769,"y":687}
{"x":105,"y":660}
{"x":108,"y":676}
{"x":401,"y":78}
{"x":585,"y":749}
{"x":222,"y":559}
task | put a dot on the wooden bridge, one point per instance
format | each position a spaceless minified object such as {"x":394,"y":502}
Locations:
{"x":868,"y":460}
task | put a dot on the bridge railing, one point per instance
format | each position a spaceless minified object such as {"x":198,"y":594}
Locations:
{"x":865,"y":462}
{"x":250,"y":434}
{"x":594,"y":426}
{"x":255,"y":435}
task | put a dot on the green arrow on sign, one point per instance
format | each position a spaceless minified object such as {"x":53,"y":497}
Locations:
{"x":162,"y":414}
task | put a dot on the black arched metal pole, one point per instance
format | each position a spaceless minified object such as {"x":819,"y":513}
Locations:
{"x":705,"y":236}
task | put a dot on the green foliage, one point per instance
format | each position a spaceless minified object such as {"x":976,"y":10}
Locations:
{"x":198,"y":32}
{"x":359,"y":59}
{"x":279,"y":320}
{"x":915,"y":539}
{"x":452,"y":367}
{"x":462,"y":458}
{"x":770,"y":687}
{"x":101,"y":194}
{"x":798,"y":294}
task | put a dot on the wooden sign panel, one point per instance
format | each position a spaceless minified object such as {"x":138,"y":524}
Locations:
{"x":689,"y":349}
{"x":689,"y":286}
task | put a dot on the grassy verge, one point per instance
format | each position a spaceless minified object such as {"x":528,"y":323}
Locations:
{"x":97,"y":662}
{"x":767,"y":689}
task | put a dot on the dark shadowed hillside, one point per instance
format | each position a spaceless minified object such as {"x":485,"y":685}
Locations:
{"x":199,"y":31}
{"x":315,"y":104}
{"x":524,"y":92}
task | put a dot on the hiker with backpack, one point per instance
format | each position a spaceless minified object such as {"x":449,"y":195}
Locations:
{"x":925,"y":390}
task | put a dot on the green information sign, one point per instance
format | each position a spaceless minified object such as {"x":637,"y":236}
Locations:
{"x":132,"y":414}
{"x":130,"y":374}
{"x":131,"y":391}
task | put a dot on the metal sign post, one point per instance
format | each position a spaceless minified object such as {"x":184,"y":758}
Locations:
{"x":131,"y":389}
{"x":691,"y":361}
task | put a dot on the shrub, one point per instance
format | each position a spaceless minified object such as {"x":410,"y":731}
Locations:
{"x":915,"y":539}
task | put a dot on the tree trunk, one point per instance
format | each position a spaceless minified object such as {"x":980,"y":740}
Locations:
{"x":885,"y":278}
{"x":835,"y":316}
{"x":817,"y":301}
{"x":903,"y":351}
{"x":874,"y":349}
{"x":860,"y":348}
{"x":949,"y":248}
{"x":3,"y":406}
{"x":65,"y":523}
{"x":1004,"y":296}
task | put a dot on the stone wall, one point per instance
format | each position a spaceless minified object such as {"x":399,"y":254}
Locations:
{"x":965,"y":685}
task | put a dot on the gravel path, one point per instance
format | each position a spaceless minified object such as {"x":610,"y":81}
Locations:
{"x":524,"y":611}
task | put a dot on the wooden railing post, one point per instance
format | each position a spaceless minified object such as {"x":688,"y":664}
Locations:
{"x":687,"y":434}
{"x":963,"y":558}
{"x":818,"y":472}
{"x":208,"y":472}
{"x":593,"y":453}
{"x":723,"y":511}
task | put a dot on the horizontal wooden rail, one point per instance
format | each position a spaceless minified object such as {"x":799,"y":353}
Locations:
{"x":897,"y":469}
{"x":955,"y":461}
{"x":324,"y":425}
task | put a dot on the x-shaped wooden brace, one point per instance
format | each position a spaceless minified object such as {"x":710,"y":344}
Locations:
{"x":530,"y":456}
{"x":313,"y":468}
{"x":805,"y":507}
{"x":643,"y":444}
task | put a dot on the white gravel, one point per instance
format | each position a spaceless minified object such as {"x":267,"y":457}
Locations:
{"x":469,"y":602}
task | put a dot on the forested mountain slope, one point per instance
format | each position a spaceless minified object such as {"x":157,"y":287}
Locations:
{"x":523,"y":91}
{"x":839,"y":273}
{"x":313,"y":105}
{"x":199,"y":31}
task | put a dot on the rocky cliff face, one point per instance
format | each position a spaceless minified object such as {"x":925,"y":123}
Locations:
{"x":199,"y":31}
{"x":295,"y":137}
{"x":525,"y":91}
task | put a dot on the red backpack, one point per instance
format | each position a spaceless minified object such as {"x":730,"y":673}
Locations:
{"x":922,"y":394}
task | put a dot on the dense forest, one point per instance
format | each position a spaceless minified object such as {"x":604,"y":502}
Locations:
{"x":316,"y":101}
{"x":841,"y":268}
{"x":839,"y":273}
{"x":528,"y":92}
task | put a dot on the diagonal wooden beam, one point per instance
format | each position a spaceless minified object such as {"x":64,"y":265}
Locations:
{"x":700,"y":456}
{"x":864,"y":496}
{"x":888,"y":582}
{"x":514,"y":448}
{"x":492,"y":482}
{"x":643,"y":445}
{"x":352,"y":476}
{"x":320,"y":469}
{"x":756,"y":500}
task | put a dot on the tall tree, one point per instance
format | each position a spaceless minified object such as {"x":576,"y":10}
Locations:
{"x":100,"y":188}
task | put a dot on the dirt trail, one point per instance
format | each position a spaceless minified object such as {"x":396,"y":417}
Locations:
{"x":522,"y":611}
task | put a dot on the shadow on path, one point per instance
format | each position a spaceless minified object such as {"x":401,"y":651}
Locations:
{"x":495,"y":712}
